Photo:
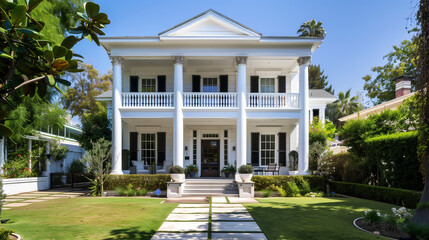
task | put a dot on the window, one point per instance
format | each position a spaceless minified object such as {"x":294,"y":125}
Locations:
{"x":210,"y":135}
{"x":194,"y":147}
{"x":148,"y":148}
{"x":225,"y":152}
{"x":148,"y":85}
{"x":267,"y":85}
{"x":210,"y":85}
{"x":268,"y":146}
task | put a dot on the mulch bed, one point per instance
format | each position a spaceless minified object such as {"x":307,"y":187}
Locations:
{"x":383,"y":229}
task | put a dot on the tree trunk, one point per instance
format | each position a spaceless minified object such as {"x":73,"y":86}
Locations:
{"x":422,"y":215}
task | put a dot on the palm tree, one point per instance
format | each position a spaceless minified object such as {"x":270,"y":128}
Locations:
{"x":312,"y":29}
{"x":345,"y":105}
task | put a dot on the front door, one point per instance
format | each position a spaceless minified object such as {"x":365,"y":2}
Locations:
{"x":210,"y":158}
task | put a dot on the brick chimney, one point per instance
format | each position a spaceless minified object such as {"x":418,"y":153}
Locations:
{"x":403,"y":86}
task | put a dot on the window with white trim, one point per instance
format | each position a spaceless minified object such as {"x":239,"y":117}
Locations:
{"x":148,"y":146}
{"x":210,"y":85}
{"x":267,"y":85}
{"x":148,"y":85}
{"x":268,"y":149}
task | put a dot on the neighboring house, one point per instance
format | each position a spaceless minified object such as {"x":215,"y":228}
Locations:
{"x":211,"y":92}
{"x":402,"y":92}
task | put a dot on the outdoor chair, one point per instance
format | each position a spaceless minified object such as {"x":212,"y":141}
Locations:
{"x":272,"y":167}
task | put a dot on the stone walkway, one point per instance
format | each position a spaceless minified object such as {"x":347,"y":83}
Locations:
{"x":24,"y":199}
{"x":218,"y":220}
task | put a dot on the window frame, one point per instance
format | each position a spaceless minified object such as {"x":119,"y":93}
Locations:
{"x":155,"y":147}
{"x":268,"y":77}
{"x":207,"y":77}
{"x":275,"y":150}
{"x":140,"y":83}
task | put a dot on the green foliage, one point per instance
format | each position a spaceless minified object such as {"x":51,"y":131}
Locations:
{"x":281,"y":191}
{"x":267,"y":192}
{"x":317,"y":149}
{"x":372,"y":216}
{"x":229,"y":169}
{"x":345,"y":105}
{"x":314,"y":194}
{"x":312,"y":29}
{"x":345,"y":167}
{"x":293,"y":190}
{"x":401,"y":61}
{"x":2,"y":196}
{"x":396,"y":160}
{"x":77,"y":167}
{"x":98,"y":161}
{"x":4,"y":233}
{"x":419,"y":231}
{"x":320,"y":132}
{"x":191,"y":169}
{"x":263,"y":182}
{"x":245,"y":169}
{"x":402,"y":197}
{"x":176,"y":169}
{"x":317,"y":79}
{"x":141,"y":181}
{"x":57,"y":151}
{"x":305,"y":187}
{"x":94,"y":126}
{"x":17,"y":165}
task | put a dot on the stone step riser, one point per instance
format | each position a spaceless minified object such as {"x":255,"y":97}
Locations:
{"x":210,"y":191}
{"x":209,"y":186}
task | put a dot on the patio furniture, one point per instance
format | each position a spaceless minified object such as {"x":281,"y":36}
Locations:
{"x":272,"y":167}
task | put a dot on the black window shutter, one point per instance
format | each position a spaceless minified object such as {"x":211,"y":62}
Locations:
{"x":161,"y":148}
{"x":254,"y":84}
{"x":196,"y":83}
{"x":161,"y":83}
{"x":133,"y":146}
{"x":223,"y":82}
{"x":134,"y":83}
{"x":282,"y":149}
{"x":282,"y":84}
{"x":254,"y":156}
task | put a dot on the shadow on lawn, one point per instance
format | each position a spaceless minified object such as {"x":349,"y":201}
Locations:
{"x":130,"y":233}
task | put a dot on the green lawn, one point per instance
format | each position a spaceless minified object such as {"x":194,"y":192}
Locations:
{"x":89,"y":218}
{"x":313,"y":218}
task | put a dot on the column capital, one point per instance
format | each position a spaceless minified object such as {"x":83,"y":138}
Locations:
{"x":178,"y":59}
{"x":241,"y":60}
{"x":117,"y":60}
{"x":304,"y":60}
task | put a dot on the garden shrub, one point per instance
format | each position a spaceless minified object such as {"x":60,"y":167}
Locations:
{"x":142,"y":181}
{"x":293,"y":190}
{"x":305,"y":187}
{"x":77,"y":166}
{"x":267,"y":192}
{"x":346,"y":167}
{"x":245,"y":169}
{"x":401,"y":197}
{"x":281,"y":191}
{"x":4,"y":233}
{"x":263,"y":182}
{"x":397,"y":160}
{"x":176,"y":169}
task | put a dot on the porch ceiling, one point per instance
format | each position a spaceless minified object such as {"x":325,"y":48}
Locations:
{"x":147,"y":122}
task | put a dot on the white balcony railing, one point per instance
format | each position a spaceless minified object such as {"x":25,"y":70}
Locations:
{"x":272,"y":100}
{"x":133,"y":99}
{"x":214,"y":100}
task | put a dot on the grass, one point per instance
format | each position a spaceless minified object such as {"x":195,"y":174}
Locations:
{"x":89,"y":218}
{"x":313,"y":218}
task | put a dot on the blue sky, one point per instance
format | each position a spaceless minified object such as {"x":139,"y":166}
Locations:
{"x":359,"y":32}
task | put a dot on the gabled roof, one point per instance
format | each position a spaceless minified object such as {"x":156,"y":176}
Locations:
{"x":320,"y":93}
{"x":210,"y":24}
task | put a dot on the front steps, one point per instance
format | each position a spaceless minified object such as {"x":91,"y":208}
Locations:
{"x":210,"y":187}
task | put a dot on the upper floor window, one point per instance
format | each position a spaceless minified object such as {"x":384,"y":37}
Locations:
{"x":210,"y":85}
{"x":267,"y":85}
{"x":148,"y":85}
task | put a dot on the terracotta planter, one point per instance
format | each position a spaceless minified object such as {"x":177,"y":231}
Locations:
{"x":177,"y":177}
{"x":246,"y":177}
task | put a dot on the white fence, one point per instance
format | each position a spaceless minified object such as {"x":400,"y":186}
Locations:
{"x":19,"y":185}
{"x":272,"y":100}
{"x":212,"y":100}
{"x":147,"y":99}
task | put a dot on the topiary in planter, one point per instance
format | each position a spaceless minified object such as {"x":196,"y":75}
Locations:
{"x":176,"y":170}
{"x":245,"y":169}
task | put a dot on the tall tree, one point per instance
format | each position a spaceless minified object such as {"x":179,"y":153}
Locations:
{"x":401,"y":61}
{"x":421,"y":215}
{"x":345,"y":105}
{"x":317,"y":79}
{"x":80,"y":97}
{"x":94,"y":126}
{"x":312,"y":28}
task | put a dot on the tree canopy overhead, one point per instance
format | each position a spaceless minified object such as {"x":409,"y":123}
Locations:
{"x":312,"y":28}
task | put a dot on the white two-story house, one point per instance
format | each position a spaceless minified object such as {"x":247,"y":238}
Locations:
{"x":211,"y":92}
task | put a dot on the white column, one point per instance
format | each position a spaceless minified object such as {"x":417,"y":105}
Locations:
{"x":116,"y":118}
{"x":241,"y":118}
{"x":178,"y":114}
{"x":311,"y":116}
{"x":304,"y":116}
{"x":322,"y":115}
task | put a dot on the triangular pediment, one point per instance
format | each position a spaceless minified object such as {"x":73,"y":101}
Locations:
{"x":210,"y":24}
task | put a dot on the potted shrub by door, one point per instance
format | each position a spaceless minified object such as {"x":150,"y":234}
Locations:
{"x":191,"y":170}
{"x":246,"y":173}
{"x":177,"y":173}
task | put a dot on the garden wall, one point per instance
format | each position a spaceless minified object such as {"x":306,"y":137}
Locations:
{"x":19,"y":185}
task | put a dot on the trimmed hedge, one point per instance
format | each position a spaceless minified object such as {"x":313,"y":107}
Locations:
{"x":263,"y":182}
{"x":401,"y":197}
{"x":146,"y":181}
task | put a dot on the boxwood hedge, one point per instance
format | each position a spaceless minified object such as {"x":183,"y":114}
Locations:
{"x":146,"y":181}
{"x":401,"y":197}
{"x":263,"y":182}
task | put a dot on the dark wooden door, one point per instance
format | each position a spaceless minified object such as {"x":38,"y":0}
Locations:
{"x":210,"y":158}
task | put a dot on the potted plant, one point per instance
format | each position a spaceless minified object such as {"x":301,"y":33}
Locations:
{"x":227,"y":170}
{"x":177,"y":173}
{"x":191,"y":170}
{"x":232,"y":170}
{"x":246,"y":172}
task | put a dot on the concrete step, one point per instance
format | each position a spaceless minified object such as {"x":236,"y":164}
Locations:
{"x":210,"y":181}
{"x":208,"y":195}
{"x":226,"y":191}
{"x":210,"y":186}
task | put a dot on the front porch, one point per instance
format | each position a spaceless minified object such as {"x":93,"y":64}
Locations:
{"x":210,"y":144}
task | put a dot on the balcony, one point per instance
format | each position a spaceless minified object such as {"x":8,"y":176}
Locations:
{"x":141,"y":100}
{"x":272,"y":100}
{"x":210,"y":100}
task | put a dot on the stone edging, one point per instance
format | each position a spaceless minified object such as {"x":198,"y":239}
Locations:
{"x":359,"y":218}
{"x":17,"y":236}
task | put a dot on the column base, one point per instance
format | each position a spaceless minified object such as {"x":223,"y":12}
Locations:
{"x":303,"y":173}
{"x":116,"y":172}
